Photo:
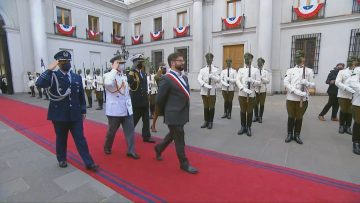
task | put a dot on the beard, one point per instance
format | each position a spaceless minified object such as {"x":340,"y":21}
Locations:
{"x":179,"y":68}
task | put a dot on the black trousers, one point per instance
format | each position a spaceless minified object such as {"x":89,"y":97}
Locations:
{"x":332,"y":102}
{"x":143,"y":113}
{"x":176,"y":133}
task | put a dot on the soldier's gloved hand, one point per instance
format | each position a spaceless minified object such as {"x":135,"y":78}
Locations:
{"x":247,"y":91}
{"x":213,"y":76}
{"x":349,"y":89}
{"x":208,"y":86}
{"x":299,"y":93}
{"x":225,"y":84}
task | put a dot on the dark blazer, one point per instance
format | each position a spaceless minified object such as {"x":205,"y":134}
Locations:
{"x":333,"y":89}
{"x":71,"y":107}
{"x":139,"y":98}
{"x":173,"y":101}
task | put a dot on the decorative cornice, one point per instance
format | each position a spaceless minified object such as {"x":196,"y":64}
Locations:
{"x":81,"y":40}
{"x":324,"y":21}
{"x":233,"y":32}
{"x":11,"y":29}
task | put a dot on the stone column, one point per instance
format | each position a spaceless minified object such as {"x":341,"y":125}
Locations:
{"x":197,"y":41}
{"x":38,"y":33}
{"x":264,"y":33}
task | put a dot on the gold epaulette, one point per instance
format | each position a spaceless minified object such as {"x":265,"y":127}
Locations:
{"x":131,"y":73}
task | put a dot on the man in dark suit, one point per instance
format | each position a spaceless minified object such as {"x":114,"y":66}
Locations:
{"x":67,"y":108}
{"x":137,"y":80}
{"x":332,"y":92}
{"x":174,"y":100}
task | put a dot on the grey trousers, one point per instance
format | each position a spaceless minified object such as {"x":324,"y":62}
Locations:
{"x":128,"y":128}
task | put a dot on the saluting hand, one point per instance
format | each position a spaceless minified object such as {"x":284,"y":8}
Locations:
{"x":53,"y":65}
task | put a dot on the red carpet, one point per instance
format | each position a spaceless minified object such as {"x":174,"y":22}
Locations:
{"x":222,"y":178}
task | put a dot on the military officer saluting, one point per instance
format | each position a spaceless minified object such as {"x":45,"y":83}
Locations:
{"x":228,"y":82}
{"x":208,"y":77}
{"x":248,"y":79}
{"x":67,"y":108}
{"x":89,"y":87}
{"x":345,"y":94}
{"x":297,"y":81}
{"x":260,"y":91}
{"x":137,"y":80}
{"x":99,"y":88}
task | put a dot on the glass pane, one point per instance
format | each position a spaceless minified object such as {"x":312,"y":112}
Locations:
{"x":137,"y":28}
{"x":231,"y":10}
{"x":67,"y":17}
{"x":58,"y":15}
{"x":238,"y":8}
{"x":157,"y":24}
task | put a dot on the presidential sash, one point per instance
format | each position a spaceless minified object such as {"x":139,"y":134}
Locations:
{"x":184,"y":87}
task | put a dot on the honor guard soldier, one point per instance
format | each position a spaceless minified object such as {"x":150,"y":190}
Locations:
{"x":137,"y":80}
{"x":38,"y":88}
{"x":31,"y":83}
{"x":67,"y":108}
{"x":119,"y":108}
{"x":89,"y":87}
{"x":152,"y":93}
{"x":208,"y":77}
{"x":354,"y":83}
{"x":248,"y":79}
{"x":297,"y":81}
{"x":260,"y":91}
{"x":228,"y":82}
{"x":345,"y":94}
{"x":79,"y":72}
{"x":99,"y":89}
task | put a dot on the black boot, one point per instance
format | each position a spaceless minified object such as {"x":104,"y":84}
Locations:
{"x":342,"y":123}
{"x":256,"y":113}
{"x":229,"y":110}
{"x":261,"y":113}
{"x":211,"y":118}
{"x":356,"y":137}
{"x":90,"y":102}
{"x":297,"y":130}
{"x":356,"y":148}
{"x":290,"y":130}
{"x":206,"y":118}
{"x":225,"y":110}
{"x":249,"y":123}
{"x":243,"y":124}
{"x":348,"y":124}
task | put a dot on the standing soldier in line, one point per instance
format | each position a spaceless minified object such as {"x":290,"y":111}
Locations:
{"x":119,"y":108}
{"x":137,"y":80}
{"x":345,"y":94}
{"x":161,"y":72}
{"x":297,"y":81}
{"x":332,"y":92}
{"x":99,"y":89}
{"x":260,"y":91}
{"x":228,"y":82}
{"x":37,"y":87}
{"x":208,"y":77}
{"x":89,"y":87}
{"x":248,"y":78}
{"x":31,"y":83}
{"x":355,"y":84}
{"x":152,"y":93}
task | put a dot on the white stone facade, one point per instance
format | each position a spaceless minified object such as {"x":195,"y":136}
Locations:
{"x":268,"y":33}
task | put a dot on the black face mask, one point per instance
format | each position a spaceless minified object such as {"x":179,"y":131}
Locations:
{"x":65,"y":67}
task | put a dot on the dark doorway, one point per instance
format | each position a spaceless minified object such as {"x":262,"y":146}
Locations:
{"x":6,"y":85}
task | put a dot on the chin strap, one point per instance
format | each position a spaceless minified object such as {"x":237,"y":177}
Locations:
{"x":60,"y":96}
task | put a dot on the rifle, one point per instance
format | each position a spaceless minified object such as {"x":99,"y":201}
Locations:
{"x":208,"y":93}
{"x":228,"y":70}
{"x":84,"y":74}
{"x":247,"y":98}
{"x":302,"y":88}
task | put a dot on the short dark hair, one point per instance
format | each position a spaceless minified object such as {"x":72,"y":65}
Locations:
{"x":173,"y":57}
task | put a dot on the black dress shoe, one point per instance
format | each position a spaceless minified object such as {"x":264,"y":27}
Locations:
{"x":158,"y":154}
{"x":260,"y":119}
{"x":255,"y":119}
{"x":224,"y":116}
{"x":189,"y":169}
{"x":150,"y":140}
{"x":133,"y":156}
{"x":107,"y":151}
{"x":229,"y":116}
{"x":63,"y":164}
{"x":248,"y":132}
{"x":289,"y":137}
{"x":242,"y":130}
{"x":210,"y":125}
{"x":356,"y":148}
{"x":341,"y":129}
{"x":348,"y":130}
{"x":205,"y":125}
{"x":99,"y":108}
{"x":92,"y":167}
{"x":297,"y":139}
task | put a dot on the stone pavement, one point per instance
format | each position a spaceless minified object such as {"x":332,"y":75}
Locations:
{"x":36,"y":177}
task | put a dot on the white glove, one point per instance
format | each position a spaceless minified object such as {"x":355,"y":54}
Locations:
{"x":299,"y":93}
{"x":349,"y":89}
{"x":304,"y":82}
{"x":225,"y":84}
{"x":247,"y":91}
{"x":249,"y":79}
{"x":208,"y":86}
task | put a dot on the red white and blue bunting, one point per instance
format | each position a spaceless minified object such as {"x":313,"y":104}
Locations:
{"x":136,"y":39}
{"x":308,"y":8}
{"x":92,"y":34}
{"x":118,"y":39}
{"x":156,"y":35}
{"x":232,"y":21}
{"x":181,"y":31}
{"x":65,"y":29}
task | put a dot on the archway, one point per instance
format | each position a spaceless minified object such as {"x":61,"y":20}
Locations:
{"x":6,"y":85}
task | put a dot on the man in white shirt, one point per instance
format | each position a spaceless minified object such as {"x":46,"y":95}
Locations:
{"x":99,"y":88}
{"x":119,"y":107}
{"x":354,"y":83}
{"x":89,"y":87}
{"x":228,"y":82}
{"x":208,"y":77}
{"x":297,"y":81}
{"x":261,"y":91}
